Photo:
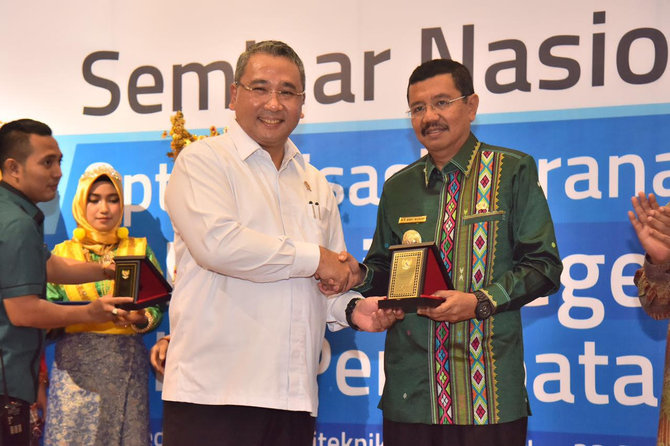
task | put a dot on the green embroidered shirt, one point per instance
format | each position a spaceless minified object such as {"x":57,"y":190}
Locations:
{"x":504,"y":245}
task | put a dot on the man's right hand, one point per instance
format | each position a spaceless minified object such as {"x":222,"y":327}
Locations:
{"x":357,"y":274}
{"x":335,"y":276}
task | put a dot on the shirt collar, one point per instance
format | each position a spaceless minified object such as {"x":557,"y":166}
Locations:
{"x":24,"y":202}
{"x":462,"y":161}
{"x":246,"y":146}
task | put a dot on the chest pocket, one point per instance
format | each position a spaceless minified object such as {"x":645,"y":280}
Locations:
{"x":483,"y":217}
{"x":318,"y":214}
{"x":308,"y":222}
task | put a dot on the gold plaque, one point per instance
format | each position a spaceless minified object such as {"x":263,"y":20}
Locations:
{"x":417,"y":271}
{"x":405,"y":274}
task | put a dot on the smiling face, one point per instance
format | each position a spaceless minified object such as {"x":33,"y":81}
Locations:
{"x":38,"y":176}
{"x":103,"y":206}
{"x":442,"y":132}
{"x":268,"y":121}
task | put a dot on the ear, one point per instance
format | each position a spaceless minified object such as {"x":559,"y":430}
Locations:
{"x":11,"y":170}
{"x":233,"y":96}
{"x":473,"y":105}
{"x":12,"y":166}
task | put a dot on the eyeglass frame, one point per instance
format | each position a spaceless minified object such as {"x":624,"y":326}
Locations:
{"x":447,"y":104}
{"x":262,"y":92}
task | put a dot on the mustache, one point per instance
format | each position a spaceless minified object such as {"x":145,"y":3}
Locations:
{"x":437,"y":126}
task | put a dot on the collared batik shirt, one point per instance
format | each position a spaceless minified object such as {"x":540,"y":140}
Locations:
{"x":502,"y":242}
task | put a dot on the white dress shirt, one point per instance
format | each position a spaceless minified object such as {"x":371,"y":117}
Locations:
{"x":247,"y":319}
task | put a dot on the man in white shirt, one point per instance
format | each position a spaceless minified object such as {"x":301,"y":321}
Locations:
{"x":255,"y":226}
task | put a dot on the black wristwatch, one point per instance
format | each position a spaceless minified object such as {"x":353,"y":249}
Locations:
{"x":484,"y":308}
{"x":349,"y":310}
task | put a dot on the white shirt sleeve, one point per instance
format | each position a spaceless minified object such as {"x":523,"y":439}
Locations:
{"x":204,"y":212}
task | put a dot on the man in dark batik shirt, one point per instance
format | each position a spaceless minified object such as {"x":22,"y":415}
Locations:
{"x":455,"y":373}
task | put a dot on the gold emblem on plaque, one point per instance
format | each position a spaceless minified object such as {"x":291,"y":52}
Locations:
{"x":125,"y":274}
{"x":411,"y":237}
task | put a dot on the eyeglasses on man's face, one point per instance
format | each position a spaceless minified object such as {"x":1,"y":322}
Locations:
{"x":417,"y":111}
{"x":262,"y":93}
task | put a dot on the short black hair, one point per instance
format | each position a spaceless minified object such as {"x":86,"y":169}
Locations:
{"x":273,"y":48}
{"x":15,"y":139}
{"x":435,"y":67}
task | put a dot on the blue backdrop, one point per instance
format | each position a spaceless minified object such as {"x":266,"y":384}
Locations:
{"x":594,"y":360}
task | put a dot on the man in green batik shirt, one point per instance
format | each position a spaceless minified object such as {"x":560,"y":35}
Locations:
{"x":454,"y":373}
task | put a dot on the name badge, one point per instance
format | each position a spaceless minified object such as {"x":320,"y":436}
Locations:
{"x":417,"y":219}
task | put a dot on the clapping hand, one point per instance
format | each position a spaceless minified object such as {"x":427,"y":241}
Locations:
{"x":652,"y":226}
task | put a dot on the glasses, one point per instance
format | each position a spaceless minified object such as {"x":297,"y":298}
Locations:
{"x":264,"y":94}
{"x":438,"y":105}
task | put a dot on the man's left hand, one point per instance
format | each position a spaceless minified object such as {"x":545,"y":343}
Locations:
{"x":369,"y":317}
{"x":158,"y":354}
{"x":457,"y":306}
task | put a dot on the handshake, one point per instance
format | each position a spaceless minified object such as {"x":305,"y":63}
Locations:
{"x":337,"y":273}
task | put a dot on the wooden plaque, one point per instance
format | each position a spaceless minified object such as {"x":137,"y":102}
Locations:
{"x":138,"y":278}
{"x":417,"y":271}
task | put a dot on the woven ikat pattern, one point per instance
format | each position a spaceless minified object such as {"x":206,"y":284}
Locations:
{"x":441,"y":357}
{"x":479,"y":252}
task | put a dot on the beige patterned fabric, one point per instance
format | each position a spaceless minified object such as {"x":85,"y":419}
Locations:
{"x":653,"y":283}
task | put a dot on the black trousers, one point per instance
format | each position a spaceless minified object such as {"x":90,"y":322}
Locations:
{"x":186,"y":424}
{"x":410,"y":434}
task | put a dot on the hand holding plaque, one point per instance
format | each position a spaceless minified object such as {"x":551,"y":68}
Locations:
{"x":417,"y":272}
{"x":138,"y":278}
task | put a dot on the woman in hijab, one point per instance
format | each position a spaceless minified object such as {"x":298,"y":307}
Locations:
{"x":98,"y":392}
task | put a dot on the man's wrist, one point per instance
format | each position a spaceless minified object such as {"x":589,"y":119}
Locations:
{"x":362,"y":272}
{"x":349,"y":312}
{"x":484,"y":306}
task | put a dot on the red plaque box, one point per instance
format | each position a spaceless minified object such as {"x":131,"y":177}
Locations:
{"x":138,"y":278}
{"x":417,"y":271}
